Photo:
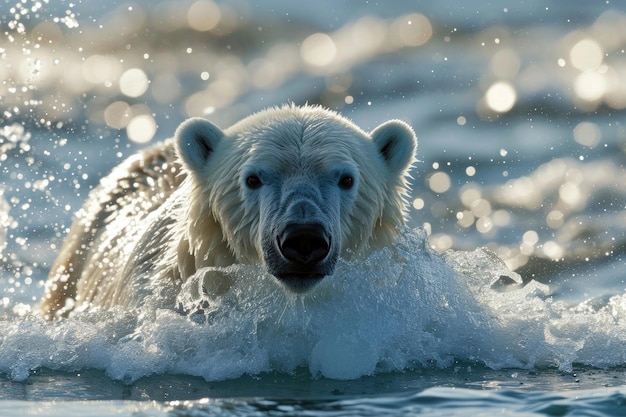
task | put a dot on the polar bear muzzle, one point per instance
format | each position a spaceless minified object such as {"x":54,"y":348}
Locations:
{"x":304,"y":243}
{"x":301,"y":256}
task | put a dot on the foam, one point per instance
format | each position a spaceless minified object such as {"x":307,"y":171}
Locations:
{"x":401,"y":308}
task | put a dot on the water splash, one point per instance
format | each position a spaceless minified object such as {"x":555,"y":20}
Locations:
{"x":404,"y":307}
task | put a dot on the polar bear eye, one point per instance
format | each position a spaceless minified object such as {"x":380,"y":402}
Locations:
{"x":346,"y":182}
{"x":253,"y":182}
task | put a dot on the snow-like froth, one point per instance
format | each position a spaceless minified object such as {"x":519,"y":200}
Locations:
{"x":401,"y":308}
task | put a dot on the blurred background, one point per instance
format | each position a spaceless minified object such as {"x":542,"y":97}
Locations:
{"x":519,"y":111}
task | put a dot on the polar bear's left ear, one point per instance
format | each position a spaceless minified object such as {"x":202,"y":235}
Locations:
{"x":196,"y":139}
{"x":396,"y":142}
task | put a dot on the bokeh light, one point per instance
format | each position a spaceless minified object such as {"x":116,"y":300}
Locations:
{"x":418,"y":204}
{"x":590,"y":85}
{"x":203,"y":15}
{"x":439,"y":182}
{"x":571,"y":195}
{"x":141,"y":129}
{"x":501,"y":97}
{"x":413,"y":29}
{"x":318,"y":50}
{"x":587,"y":134}
{"x":586,"y":55}
{"x":134,"y":82}
{"x":117,"y":114}
{"x":552,"y":250}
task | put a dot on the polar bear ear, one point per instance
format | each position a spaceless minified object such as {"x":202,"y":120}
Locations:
{"x":196,"y":139}
{"x":396,"y":142}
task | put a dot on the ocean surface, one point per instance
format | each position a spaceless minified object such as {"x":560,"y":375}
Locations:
{"x":505,"y":294}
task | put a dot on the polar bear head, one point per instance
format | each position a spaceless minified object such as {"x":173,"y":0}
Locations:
{"x":295,"y":188}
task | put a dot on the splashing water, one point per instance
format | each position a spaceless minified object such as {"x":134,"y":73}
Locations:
{"x":404,"y":307}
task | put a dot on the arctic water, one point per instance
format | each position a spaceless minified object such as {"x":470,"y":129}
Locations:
{"x":505,"y":293}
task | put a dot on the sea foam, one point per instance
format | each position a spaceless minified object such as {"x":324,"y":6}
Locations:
{"x":403,"y":307}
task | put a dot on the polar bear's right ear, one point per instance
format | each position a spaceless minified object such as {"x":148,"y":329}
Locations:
{"x":397,"y":143}
{"x":196,"y":139}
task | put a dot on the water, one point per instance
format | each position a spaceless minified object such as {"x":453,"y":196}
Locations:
{"x":519,"y":113}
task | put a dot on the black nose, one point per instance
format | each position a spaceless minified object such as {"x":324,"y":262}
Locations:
{"x":304,"y":243}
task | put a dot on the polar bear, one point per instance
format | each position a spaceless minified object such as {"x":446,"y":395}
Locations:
{"x":290,"y":188}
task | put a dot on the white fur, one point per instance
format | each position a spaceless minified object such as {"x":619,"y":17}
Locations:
{"x":208,"y":216}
